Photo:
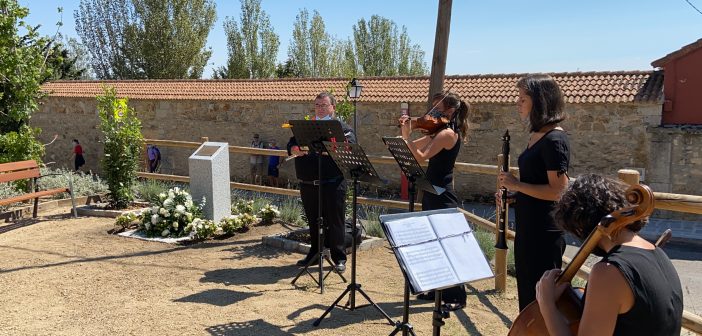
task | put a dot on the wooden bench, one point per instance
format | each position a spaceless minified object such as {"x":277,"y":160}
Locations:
{"x":29,"y":169}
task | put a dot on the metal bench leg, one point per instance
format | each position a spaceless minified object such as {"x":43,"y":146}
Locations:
{"x":34,"y":186}
{"x":73,"y":199}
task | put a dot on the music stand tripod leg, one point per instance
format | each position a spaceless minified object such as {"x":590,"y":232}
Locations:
{"x":322,"y":252}
{"x":353,"y":286}
{"x":404,"y":325}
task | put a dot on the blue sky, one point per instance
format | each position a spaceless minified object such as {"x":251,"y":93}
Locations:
{"x":498,"y":36}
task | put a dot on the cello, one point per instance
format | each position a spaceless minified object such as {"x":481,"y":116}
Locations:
{"x":570,"y":303}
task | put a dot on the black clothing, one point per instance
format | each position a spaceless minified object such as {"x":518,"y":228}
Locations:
{"x":440,"y":173}
{"x":658,"y":298}
{"x":79,"y":161}
{"x":333,"y":197}
{"x":539,"y":244}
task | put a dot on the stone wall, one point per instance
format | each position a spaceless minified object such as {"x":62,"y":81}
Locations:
{"x":604,"y":137}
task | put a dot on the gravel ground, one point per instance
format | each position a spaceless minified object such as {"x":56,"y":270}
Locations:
{"x":64,"y":276}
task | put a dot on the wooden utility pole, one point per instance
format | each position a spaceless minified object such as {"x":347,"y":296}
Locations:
{"x":438,"y":62}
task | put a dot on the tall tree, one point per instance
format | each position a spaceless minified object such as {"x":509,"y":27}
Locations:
{"x":22,"y":68}
{"x":309,"y":50}
{"x":82,"y":57}
{"x":146,"y":38}
{"x":252,"y":43}
{"x":382,"y":51}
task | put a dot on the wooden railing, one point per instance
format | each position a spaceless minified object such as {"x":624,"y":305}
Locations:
{"x":664,"y":201}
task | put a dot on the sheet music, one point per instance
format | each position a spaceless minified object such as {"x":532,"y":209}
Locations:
{"x":411,"y":230}
{"x":449,"y":224}
{"x":428,"y":266}
{"x":467,"y":259}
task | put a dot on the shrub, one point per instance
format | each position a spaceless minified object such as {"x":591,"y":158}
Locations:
{"x":200,"y":229}
{"x":169,"y":217}
{"x":243,"y":207}
{"x":123,"y":144}
{"x":268,"y":213}
{"x":127,"y":220}
{"x":291,"y":211}
{"x":8,"y":190}
{"x":83,"y":184}
{"x":373,"y":227}
{"x":148,"y":190}
{"x":232,"y":224}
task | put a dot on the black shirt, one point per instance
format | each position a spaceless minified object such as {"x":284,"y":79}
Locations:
{"x":658,"y":299}
{"x":551,"y":152}
{"x":306,"y":166}
{"x":440,"y":170}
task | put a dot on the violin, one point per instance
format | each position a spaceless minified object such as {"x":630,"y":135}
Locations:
{"x":570,"y":304}
{"x":430,"y":123}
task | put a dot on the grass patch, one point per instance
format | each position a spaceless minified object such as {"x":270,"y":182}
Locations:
{"x":372,"y":225}
{"x":149,"y":189}
{"x":486,"y":241}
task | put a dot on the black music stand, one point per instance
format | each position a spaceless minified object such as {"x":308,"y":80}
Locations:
{"x":354,"y":164}
{"x":310,"y":134}
{"x":417,"y":178}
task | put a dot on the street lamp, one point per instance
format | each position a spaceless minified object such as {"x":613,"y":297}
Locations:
{"x":354,"y":93}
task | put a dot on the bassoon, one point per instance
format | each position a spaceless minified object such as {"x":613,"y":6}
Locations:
{"x":502,"y":224}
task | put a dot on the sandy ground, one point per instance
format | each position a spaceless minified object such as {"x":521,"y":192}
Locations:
{"x":62,"y":276}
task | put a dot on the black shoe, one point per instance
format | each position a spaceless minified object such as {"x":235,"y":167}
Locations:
{"x":340,"y":266}
{"x":428,"y":296}
{"x":454,"y":306}
{"x":308,"y":260}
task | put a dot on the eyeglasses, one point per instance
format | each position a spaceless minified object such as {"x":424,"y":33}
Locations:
{"x":321,"y":105}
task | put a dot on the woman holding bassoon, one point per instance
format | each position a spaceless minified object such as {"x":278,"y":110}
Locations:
{"x":543,"y":168}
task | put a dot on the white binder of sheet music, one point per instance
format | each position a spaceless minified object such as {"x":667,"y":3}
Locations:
{"x":438,"y":251}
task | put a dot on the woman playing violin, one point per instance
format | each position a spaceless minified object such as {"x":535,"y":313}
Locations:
{"x":633,"y":290}
{"x":440,"y":146}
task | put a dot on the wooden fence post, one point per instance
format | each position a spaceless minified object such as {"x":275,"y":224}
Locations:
{"x":629,"y":176}
{"x":500,"y":255}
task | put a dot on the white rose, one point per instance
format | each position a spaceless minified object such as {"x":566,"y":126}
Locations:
{"x":175,"y":225}
{"x":148,"y":226}
{"x":154,"y":219}
{"x":179,"y":208}
{"x":168,"y":202}
{"x":165,"y":233}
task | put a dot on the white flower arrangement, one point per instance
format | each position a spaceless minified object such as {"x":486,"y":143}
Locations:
{"x":174,"y":212}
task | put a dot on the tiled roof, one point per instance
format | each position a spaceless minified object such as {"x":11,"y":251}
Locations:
{"x":579,"y":87}
{"x":661,"y":62}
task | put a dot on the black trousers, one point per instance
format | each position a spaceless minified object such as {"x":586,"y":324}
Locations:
{"x":446,"y":200}
{"x":534,"y":255}
{"x":333,"y":211}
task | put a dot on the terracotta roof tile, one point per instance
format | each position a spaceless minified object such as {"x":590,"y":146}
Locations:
{"x":578,"y":87}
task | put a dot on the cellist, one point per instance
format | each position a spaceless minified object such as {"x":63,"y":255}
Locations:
{"x":633,"y":290}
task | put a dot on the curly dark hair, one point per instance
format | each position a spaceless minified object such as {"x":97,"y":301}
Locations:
{"x":547,"y":100}
{"x":589,"y":198}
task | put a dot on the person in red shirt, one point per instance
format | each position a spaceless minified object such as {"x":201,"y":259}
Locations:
{"x":78,"y":160}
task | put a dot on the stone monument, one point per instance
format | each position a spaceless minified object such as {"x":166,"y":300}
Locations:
{"x":209,"y":177}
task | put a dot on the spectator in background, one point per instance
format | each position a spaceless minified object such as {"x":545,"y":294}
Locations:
{"x":77,"y":155}
{"x":256,"y":161}
{"x":273,"y":165}
{"x":154,"y":157}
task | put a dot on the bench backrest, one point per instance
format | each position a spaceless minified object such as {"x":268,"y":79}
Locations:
{"x":19,"y":170}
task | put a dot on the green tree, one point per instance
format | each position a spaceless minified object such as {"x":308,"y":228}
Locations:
{"x":382,"y":51}
{"x":21,"y":71}
{"x":123,"y":143}
{"x":310,"y":46}
{"x":252,"y":43}
{"x":82,"y":57}
{"x":62,"y":64}
{"x":146,"y":38}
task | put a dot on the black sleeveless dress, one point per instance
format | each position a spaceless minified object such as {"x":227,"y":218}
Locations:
{"x":658,"y":299}
{"x":440,"y":174}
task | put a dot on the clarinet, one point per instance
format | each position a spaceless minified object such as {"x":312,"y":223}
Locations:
{"x":502,"y":225}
